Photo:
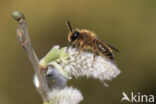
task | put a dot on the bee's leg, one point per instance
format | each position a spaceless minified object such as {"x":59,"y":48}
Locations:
{"x":94,"y":56}
{"x":81,"y":48}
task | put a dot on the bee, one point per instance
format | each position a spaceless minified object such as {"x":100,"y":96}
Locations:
{"x":85,"y":39}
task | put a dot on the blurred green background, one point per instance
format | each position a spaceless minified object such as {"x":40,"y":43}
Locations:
{"x":129,"y":25}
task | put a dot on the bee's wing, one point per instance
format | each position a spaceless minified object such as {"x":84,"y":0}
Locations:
{"x":104,"y":49}
{"x":107,"y":44}
{"x":112,"y":47}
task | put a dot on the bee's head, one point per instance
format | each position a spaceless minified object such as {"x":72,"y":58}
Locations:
{"x":73,"y":34}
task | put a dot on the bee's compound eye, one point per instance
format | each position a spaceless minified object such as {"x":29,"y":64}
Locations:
{"x":75,"y":35}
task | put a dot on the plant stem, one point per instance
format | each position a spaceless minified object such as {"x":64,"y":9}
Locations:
{"x":23,"y":37}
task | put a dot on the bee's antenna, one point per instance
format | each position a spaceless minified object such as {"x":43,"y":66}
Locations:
{"x":69,"y":26}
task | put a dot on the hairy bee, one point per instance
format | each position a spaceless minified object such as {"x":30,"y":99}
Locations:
{"x":85,"y":39}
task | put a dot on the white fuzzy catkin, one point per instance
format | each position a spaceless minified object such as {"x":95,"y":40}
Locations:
{"x":81,"y":65}
{"x":71,"y":64}
{"x":67,"y":95}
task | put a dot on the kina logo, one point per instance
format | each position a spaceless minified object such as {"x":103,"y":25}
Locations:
{"x":137,"y":98}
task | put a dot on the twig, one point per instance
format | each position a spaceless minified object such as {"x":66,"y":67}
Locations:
{"x":23,"y":37}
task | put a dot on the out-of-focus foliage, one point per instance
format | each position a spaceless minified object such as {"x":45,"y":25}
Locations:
{"x":129,"y":25}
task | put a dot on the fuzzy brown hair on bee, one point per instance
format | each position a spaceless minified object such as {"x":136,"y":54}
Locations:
{"x":85,"y":39}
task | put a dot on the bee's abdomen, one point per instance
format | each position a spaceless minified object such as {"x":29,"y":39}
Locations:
{"x":104,"y":51}
{"x":110,"y":55}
